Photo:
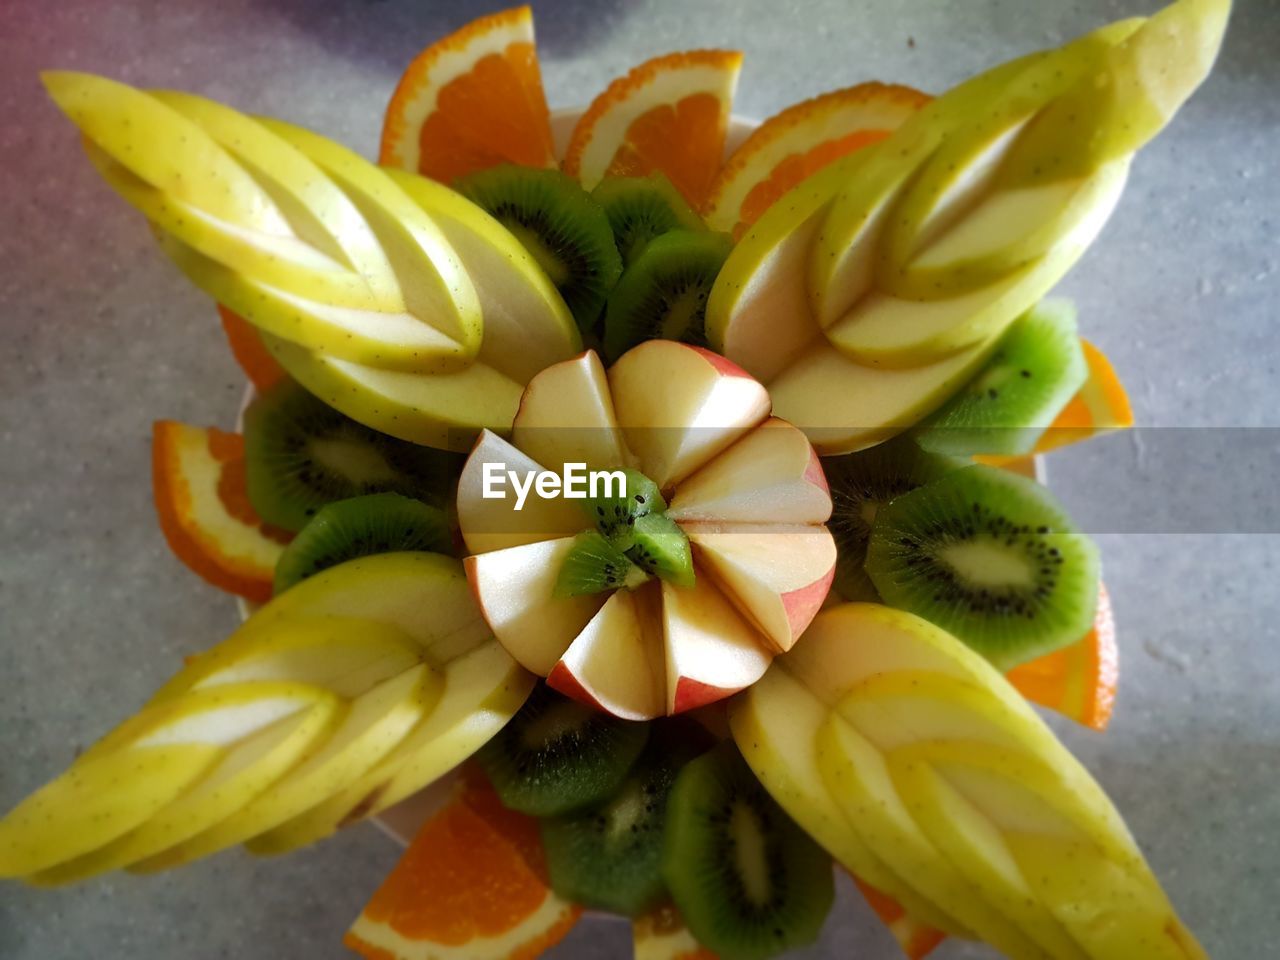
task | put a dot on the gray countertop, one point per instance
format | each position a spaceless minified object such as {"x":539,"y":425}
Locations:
{"x":99,"y":336}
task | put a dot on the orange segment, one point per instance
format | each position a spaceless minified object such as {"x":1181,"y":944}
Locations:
{"x":798,"y":142}
{"x":471,"y":885}
{"x":669,"y":114}
{"x":1078,"y":681}
{"x":1102,"y":405}
{"x":917,"y":939}
{"x":247,"y":347}
{"x":470,"y":101}
{"x":198,"y":476}
{"x":662,"y":935}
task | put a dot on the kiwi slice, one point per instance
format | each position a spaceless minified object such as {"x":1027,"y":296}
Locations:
{"x":663,"y":294}
{"x":301,"y":454}
{"x":641,"y":208}
{"x":990,"y":557}
{"x":661,"y":548}
{"x":558,"y":755}
{"x":1035,"y":371}
{"x":563,"y":229}
{"x":614,"y":515}
{"x":863,"y":482}
{"x":594,"y":565}
{"x":748,"y":881}
{"x":346,"y":529}
{"x":610,"y":856}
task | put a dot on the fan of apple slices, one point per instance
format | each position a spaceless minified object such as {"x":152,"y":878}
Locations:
{"x":746,"y":490}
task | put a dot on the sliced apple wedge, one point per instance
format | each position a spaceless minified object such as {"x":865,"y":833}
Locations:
{"x":679,"y":406}
{"x":566,"y":416}
{"x":771,"y":475}
{"x":711,"y":651}
{"x":778,"y":576}
{"x":616,"y":663}
{"x":515,"y":590}
{"x":494,"y":523}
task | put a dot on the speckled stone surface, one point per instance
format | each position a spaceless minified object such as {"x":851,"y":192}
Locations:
{"x":99,"y":336}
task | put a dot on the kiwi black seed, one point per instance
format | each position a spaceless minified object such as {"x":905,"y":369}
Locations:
{"x":594,"y":565}
{"x":347,"y":529}
{"x":641,"y":208}
{"x":990,"y":557}
{"x":863,"y":482}
{"x":558,"y":755}
{"x":1037,"y":367}
{"x":663,"y":293}
{"x":747,"y":880}
{"x":610,"y":856}
{"x":660,"y":547}
{"x":615,"y":514}
{"x":563,"y":229}
{"x":301,"y":454}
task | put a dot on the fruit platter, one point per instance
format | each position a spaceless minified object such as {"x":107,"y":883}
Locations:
{"x":637,"y":511}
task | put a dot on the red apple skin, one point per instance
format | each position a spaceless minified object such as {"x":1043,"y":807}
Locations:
{"x":814,"y":472}
{"x":525,"y":394}
{"x":561,"y":678}
{"x":722,"y":364}
{"x":691,"y":694}
{"x":802,"y":605}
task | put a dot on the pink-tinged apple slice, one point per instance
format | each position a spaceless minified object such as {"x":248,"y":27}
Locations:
{"x":679,"y":406}
{"x":566,"y":416}
{"x":712,"y":652}
{"x":771,"y":475}
{"x":515,"y":590}
{"x":615,"y":664}
{"x":495,"y":523}
{"x":776,"y":575}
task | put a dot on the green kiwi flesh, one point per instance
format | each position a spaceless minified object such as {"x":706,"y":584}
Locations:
{"x":861,"y":484}
{"x":594,"y":565}
{"x":641,"y":208}
{"x":748,"y":882}
{"x":558,"y":755}
{"x":609,"y":856}
{"x":990,"y":557}
{"x":661,"y":548}
{"x":663,"y":293}
{"x":301,"y":454}
{"x":347,"y":529}
{"x":1035,"y":371}
{"x":614,"y":515}
{"x":561,"y":226}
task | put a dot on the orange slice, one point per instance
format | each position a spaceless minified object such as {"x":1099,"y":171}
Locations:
{"x":669,"y":114}
{"x":471,"y":885}
{"x":199,"y":485}
{"x":916,"y":939}
{"x":798,"y":142}
{"x":662,"y":935}
{"x":250,"y":352}
{"x":1078,"y":681}
{"x":1101,"y":405}
{"x":470,"y":101}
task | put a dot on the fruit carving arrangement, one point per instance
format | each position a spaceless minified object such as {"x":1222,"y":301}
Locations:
{"x":802,"y":630}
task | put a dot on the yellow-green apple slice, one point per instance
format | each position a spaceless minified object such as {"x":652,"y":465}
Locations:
{"x":859,"y":782}
{"x":777,"y":575}
{"x":679,"y":406}
{"x":247,"y":769}
{"x":758,"y":313}
{"x":843,"y":406}
{"x":711,"y":650}
{"x":515,"y":590}
{"x":494,"y":522}
{"x":369,"y":729}
{"x":775,"y":724}
{"x":771,"y":475}
{"x":527,"y":326}
{"x":884,"y":330}
{"x":447,"y":410}
{"x":95,"y":802}
{"x":616,"y":663}
{"x":566,"y":416}
{"x":483,"y":689}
